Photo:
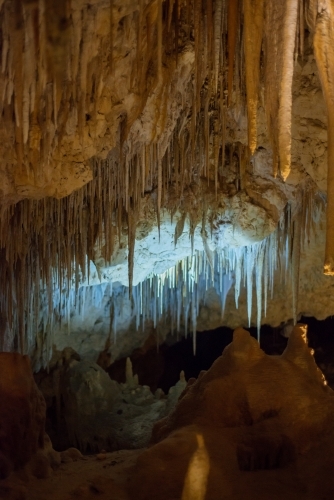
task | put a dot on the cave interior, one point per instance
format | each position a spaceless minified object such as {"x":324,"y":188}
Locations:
{"x":167,"y":249}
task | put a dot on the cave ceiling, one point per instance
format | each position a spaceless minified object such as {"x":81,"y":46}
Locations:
{"x":137,"y":134}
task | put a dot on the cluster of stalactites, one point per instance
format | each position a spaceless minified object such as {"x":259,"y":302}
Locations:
{"x":47,"y":52}
{"x":321,"y":21}
{"x":42,"y":239}
{"x":42,"y":78}
{"x":278,"y":29}
{"x":237,"y":44}
{"x":175,"y":297}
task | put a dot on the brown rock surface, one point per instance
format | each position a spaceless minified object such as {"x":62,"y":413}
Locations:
{"x":22,"y":410}
{"x":249,"y":412}
{"x":83,"y":479}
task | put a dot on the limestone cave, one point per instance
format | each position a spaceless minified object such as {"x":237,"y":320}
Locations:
{"x":167,"y":249}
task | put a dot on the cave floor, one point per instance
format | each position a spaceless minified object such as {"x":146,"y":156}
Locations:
{"x":103,"y":478}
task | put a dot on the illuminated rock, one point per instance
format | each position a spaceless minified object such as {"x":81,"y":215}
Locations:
{"x":22,"y":410}
{"x":249,"y":412}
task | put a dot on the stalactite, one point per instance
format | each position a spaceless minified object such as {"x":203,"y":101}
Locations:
{"x":273,"y":71}
{"x":180,"y":291}
{"x":140,"y":48}
{"x":253,"y":28}
{"x":51,"y":242}
{"x":111,"y":30}
{"x":233,"y":24}
{"x":284,"y":113}
{"x":159,"y":194}
{"x":159,"y":44}
{"x":296,"y":247}
{"x":301,"y":27}
{"x":217,"y":38}
{"x":198,"y":63}
{"x":131,"y":244}
{"x":259,"y":287}
{"x":324,"y":53}
{"x":170,"y":13}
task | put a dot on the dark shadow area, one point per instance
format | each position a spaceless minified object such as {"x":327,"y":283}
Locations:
{"x":161,"y":369}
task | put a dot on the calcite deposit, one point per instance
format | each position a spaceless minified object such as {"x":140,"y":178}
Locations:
{"x":166,"y":167}
{"x":151,"y":143}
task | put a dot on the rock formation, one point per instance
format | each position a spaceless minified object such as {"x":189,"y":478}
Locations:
{"x":166,"y":166}
{"x":94,"y":413}
{"x":118,"y":117}
{"x":22,"y":411}
{"x":249,"y":412}
{"x":23,"y":442}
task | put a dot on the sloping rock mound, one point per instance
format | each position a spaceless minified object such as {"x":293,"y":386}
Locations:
{"x":253,"y":426}
{"x":22,"y":413}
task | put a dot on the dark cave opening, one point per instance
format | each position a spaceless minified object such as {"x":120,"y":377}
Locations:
{"x":160,"y":368}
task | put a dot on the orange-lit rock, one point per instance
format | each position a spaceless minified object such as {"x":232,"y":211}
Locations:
{"x":22,"y":412}
{"x":245,"y":429}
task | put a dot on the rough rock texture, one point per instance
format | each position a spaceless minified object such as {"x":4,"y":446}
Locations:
{"x":72,"y":113}
{"x":25,"y":449}
{"x":22,"y":412}
{"x":94,"y":413}
{"x":88,"y":477}
{"x":238,"y":224}
{"x":88,"y":396}
{"x":253,"y":426}
{"x":249,"y":412}
{"x":103,"y":95}
{"x":108,"y":90}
